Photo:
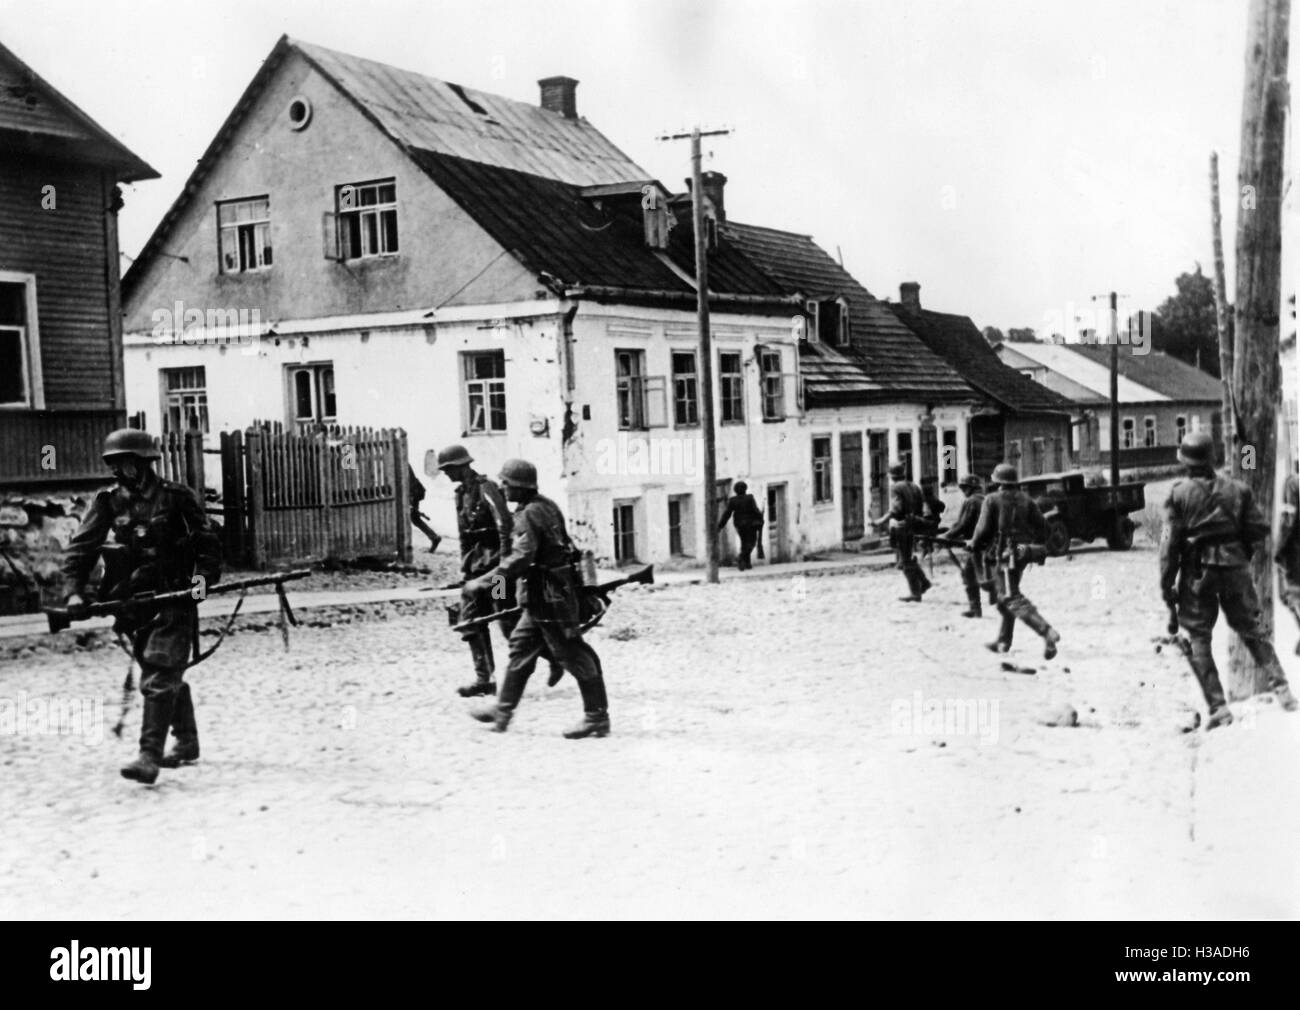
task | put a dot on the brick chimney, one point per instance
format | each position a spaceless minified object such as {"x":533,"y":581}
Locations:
{"x":713,"y":184}
{"x":909,"y":294}
{"x":558,"y":96}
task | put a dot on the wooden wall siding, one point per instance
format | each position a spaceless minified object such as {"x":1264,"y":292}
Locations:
{"x":67,"y":248}
{"x":77,"y":437}
{"x":339,"y":494}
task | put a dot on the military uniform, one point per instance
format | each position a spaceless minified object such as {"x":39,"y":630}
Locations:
{"x":906,"y":505}
{"x":484,"y":521}
{"x":743,"y":510}
{"x":1287,"y":557}
{"x":973,"y":571}
{"x":541,"y":559}
{"x":1009,"y":520}
{"x":1212,"y":527}
{"x":154,"y":538}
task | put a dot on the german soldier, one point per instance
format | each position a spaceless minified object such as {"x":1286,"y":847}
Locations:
{"x":417,"y":493}
{"x":972,"y":567}
{"x":906,"y":504}
{"x":744,"y":512}
{"x":1287,"y":556}
{"x":1009,"y":520}
{"x":161,"y":541}
{"x":484,"y":522}
{"x":1212,"y":527}
{"x":541,"y":557}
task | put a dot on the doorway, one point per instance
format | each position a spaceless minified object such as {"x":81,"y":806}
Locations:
{"x":851,"y":490}
{"x":778,"y":537}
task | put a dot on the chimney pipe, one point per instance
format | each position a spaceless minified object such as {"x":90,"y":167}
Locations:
{"x":558,"y":95}
{"x":909,"y":294}
{"x":713,"y":184}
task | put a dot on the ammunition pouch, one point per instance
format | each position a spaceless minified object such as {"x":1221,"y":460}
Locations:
{"x":1030,"y":554}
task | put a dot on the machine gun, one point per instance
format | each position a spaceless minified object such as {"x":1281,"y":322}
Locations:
{"x":60,"y":618}
{"x":593,"y":598}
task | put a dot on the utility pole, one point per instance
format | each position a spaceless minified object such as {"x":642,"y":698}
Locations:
{"x":706,"y":345}
{"x":1228,"y":411}
{"x":1117,"y":532}
{"x":1255,"y":371}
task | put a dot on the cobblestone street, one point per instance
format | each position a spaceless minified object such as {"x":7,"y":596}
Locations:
{"x":774,"y":753}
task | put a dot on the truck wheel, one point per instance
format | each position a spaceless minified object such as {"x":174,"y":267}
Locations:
{"x":1124,"y":540}
{"x":1058,"y":539}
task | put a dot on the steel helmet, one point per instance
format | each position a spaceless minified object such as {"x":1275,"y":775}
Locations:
{"x":1196,"y":449}
{"x":454,"y":455}
{"x":130,"y":442}
{"x":519,"y":473}
{"x":898,"y":470}
{"x":970,"y":480}
{"x":1005,"y":473}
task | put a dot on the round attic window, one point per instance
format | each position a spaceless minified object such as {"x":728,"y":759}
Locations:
{"x":299,"y":112}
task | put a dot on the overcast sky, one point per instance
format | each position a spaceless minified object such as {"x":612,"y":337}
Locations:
{"x":1012,"y":157}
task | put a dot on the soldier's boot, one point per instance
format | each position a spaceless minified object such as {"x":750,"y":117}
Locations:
{"x":1263,"y":654}
{"x":1006,"y":632}
{"x":498,"y":714}
{"x":1221,"y":716}
{"x":186,"y":748}
{"x":974,"y":610}
{"x":153,"y":734}
{"x":480,"y":648}
{"x":595,"y":717}
{"x":1207,"y":675}
{"x":1050,"y":636}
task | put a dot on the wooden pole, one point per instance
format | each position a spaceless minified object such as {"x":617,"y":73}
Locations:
{"x":706,"y":359}
{"x":1117,"y":519}
{"x":1255,"y":377}
{"x":1221,"y":315}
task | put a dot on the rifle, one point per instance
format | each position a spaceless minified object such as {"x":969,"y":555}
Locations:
{"x":942,"y":541}
{"x":598,"y":594}
{"x":59,"y":618}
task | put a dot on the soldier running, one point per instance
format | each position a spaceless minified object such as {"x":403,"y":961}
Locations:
{"x":906,"y":503}
{"x":1009,"y":520}
{"x":484,"y":523}
{"x":541,"y":557}
{"x":1212,"y":527}
{"x":1287,"y":556}
{"x":971,"y":565}
{"x":744,"y":512}
{"x":161,"y":541}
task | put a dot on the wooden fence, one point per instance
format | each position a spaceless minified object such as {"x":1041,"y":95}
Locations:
{"x":336,"y":493}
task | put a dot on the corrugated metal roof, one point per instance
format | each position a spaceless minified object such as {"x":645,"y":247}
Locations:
{"x":427,"y":113}
{"x":1085,"y":371}
{"x":1169,"y":376}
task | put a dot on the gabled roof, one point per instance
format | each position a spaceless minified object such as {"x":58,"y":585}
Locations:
{"x":885,"y":357}
{"x":1170,"y":377}
{"x":421,"y":113}
{"x":958,"y":341}
{"x":36,"y":118}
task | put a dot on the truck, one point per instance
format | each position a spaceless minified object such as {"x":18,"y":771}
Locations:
{"x":1075,"y":511}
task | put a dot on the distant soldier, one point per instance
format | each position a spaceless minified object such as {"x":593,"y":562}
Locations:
{"x":418,"y":518}
{"x":932,"y":510}
{"x":744,"y":513}
{"x":906,"y":505}
{"x":484,"y":523}
{"x":1212,"y":527}
{"x":161,"y":541}
{"x":541,"y":557}
{"x":1287,"y":556}
{"x":973,"y":571}
{"x":1010,"y":521}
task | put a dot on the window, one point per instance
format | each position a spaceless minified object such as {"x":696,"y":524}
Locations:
{"x":1014,"y":452}
{"x":821,"y":469}
{"x":640,"y":397}
{"x":1196,"y":422}
{"x":184,"y":399}
{"x":949,"y":460}
{"x":730,"y":372}
{"x":1180,"y":427}
{"x":624,"y":531}
{"x":929,"y":451}
{"x":1148,"y":431}
{"x":20,"y":351}
{"x":905,"y":451}
{"x":1058,"y":453}
{"x":686,"y":390}
{"x":311,"y":392}
{"x":1127,"y":433}
{"x":680,"y":527}
{"x":367,"y":219}
{"x":1037,"y":455}
{"x":244,"y":234}
{"x":485,"y":392}
{"x":842,"y":328}
{"x":769,"y":363}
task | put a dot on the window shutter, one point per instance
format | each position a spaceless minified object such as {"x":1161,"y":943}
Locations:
{"x":330,"y":235}
{"x":813,"y":332}
{"x":656,"y":401}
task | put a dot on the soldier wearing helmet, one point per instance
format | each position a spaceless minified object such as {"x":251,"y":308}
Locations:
{"x":541,"y":557}
{"x":1009,"y":521}
{"x":484,"y":523}
{"x":154,"y":537}
{"x":1212,"y":527}
{"x":906,"y":506}
{"x":963,"y":529}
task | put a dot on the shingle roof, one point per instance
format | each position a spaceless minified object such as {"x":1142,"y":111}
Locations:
{"x":959,"y":342}
{"x":886,"y":357}
{"x":1167,"y":375}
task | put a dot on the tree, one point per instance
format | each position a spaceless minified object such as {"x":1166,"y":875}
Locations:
{"x":993,"y":335}
{"x":1186,"y":325}
{"x":1024,"y":335}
